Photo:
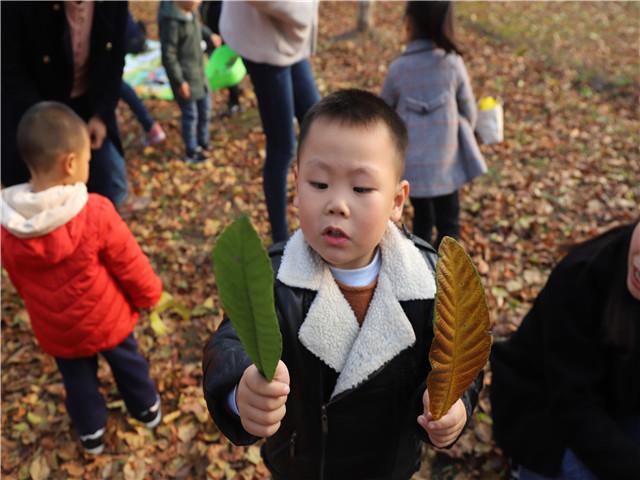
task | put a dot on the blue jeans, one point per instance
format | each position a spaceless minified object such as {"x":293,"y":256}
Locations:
{"x":572,"y":468}
{"x":85,"y":404}
{"x":130,"y":97}
{"x":195,"y":122}
{"x":282,"y":93}
{"x":108,"y":173}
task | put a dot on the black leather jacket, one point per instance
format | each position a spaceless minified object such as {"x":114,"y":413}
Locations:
{"x":368,"y":432}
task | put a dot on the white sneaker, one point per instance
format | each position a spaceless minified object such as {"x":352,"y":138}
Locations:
{"x":93,"y":443}
{"x":152,"y":416}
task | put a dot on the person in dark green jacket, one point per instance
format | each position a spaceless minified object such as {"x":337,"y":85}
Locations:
{"x":180,"y":37}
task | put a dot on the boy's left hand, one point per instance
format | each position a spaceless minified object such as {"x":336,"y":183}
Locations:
{"x":446,"y":429}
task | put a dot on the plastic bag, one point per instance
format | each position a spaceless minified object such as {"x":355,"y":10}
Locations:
{"x":490,"y":125}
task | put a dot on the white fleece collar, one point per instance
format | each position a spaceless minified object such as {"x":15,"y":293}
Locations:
{"x":26,"y":214}
{"x":330,"y":330}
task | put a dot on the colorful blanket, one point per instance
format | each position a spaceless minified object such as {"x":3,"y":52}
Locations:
{"x":145,"y":73}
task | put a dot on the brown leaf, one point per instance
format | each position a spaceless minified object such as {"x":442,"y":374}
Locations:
{"x":187,"y":431}
{"x":39,"y":468}
{"x":135,"y":468}
{"x":73,"y":469}
{"x":461,"y":343}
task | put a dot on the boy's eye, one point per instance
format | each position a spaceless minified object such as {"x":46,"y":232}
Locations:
{"x":362,"y":189}
{"x":318,"y":185}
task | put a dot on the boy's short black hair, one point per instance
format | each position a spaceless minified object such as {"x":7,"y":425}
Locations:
{"x":358,"y":108}
{"x":48,"y":130}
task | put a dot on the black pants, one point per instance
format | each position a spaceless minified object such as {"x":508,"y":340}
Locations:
{"x":234,"y":96}
{"x":85,"y":404}
{"x":442,"y":212}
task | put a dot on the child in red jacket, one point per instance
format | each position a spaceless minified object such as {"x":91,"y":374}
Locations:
{"x":79,"y":270}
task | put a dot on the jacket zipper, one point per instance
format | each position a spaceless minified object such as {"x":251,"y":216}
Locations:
{"x":292,"y":445}
{"x":324,"y":419}
{"x":325,"y":431}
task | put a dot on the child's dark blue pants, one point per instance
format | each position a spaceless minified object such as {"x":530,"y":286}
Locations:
{"x":85,"y":403}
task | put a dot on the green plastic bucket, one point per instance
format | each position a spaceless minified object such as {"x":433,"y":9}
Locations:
{"x":224,"y":68}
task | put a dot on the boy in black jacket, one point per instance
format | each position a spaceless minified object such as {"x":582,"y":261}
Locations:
{"x":354,"y":297}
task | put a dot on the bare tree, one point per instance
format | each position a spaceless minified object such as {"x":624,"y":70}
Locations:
{"x":364,"y":22}
{"x":365,"y":15}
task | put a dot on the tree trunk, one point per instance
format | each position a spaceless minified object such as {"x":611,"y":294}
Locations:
{"x":365,"y":15}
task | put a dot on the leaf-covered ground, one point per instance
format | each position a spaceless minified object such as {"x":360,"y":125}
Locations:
{"x":569,"y":168}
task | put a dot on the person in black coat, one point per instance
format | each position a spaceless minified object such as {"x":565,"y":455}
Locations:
{"x":38,"y":45}
{"x":565,"y":391}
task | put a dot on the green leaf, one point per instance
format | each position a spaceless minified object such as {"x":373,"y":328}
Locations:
{"x":245,"y":282}
{"x":182,"y":310}
{"x":157,"y":325}
{"x":34,"y":419}
{"x":165,"y":302}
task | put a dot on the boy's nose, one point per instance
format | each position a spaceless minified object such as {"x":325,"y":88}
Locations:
{"x":337,"y":207}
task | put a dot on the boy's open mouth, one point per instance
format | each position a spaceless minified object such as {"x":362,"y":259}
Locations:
{"x":334,"y":232}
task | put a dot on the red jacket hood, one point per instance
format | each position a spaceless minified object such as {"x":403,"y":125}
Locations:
{"x":45,"y":221}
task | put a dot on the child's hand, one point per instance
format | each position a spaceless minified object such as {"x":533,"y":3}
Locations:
{"x":185,"y":91}
{"x":216,"y":40}
{"x":446,"y":429}
{"x":262,"y":404}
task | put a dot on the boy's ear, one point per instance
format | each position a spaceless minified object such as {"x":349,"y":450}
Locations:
{"x":69,"y":163}
{"x":399,"y":199}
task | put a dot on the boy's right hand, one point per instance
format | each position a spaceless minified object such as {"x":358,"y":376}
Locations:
{"x":262,"y":404}
{"x":185,"y":91}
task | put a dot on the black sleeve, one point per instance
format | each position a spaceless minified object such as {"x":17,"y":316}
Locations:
{"x":224,"y":362}
{"x":205,"y":32}
{"x":575,"y":366}
{"x":18,"y":83}
{"x":470,"y":399}
{"x":106,"y":96}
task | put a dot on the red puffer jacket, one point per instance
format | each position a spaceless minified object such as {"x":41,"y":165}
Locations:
{"x":83,"y":282}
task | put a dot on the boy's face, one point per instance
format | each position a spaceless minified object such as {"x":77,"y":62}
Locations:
{"x":347,"y":190}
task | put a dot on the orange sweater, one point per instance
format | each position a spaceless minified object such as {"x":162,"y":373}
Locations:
{"x":359,"y":298}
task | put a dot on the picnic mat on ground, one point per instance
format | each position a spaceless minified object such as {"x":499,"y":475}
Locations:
{"x":145,"y":73}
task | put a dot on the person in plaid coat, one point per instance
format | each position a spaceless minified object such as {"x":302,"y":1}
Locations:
{"x":429,"y":87}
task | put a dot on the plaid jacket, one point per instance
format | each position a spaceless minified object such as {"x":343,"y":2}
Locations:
{"x":432,"y":93}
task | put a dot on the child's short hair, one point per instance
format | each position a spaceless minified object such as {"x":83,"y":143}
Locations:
{"x":48,"y":130}
{"x":358,"y":108}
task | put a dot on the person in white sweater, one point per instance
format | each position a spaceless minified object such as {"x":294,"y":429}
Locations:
{"x":275,"y":40}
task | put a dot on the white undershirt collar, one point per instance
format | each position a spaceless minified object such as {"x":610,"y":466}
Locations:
{"x":358,"y":277}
